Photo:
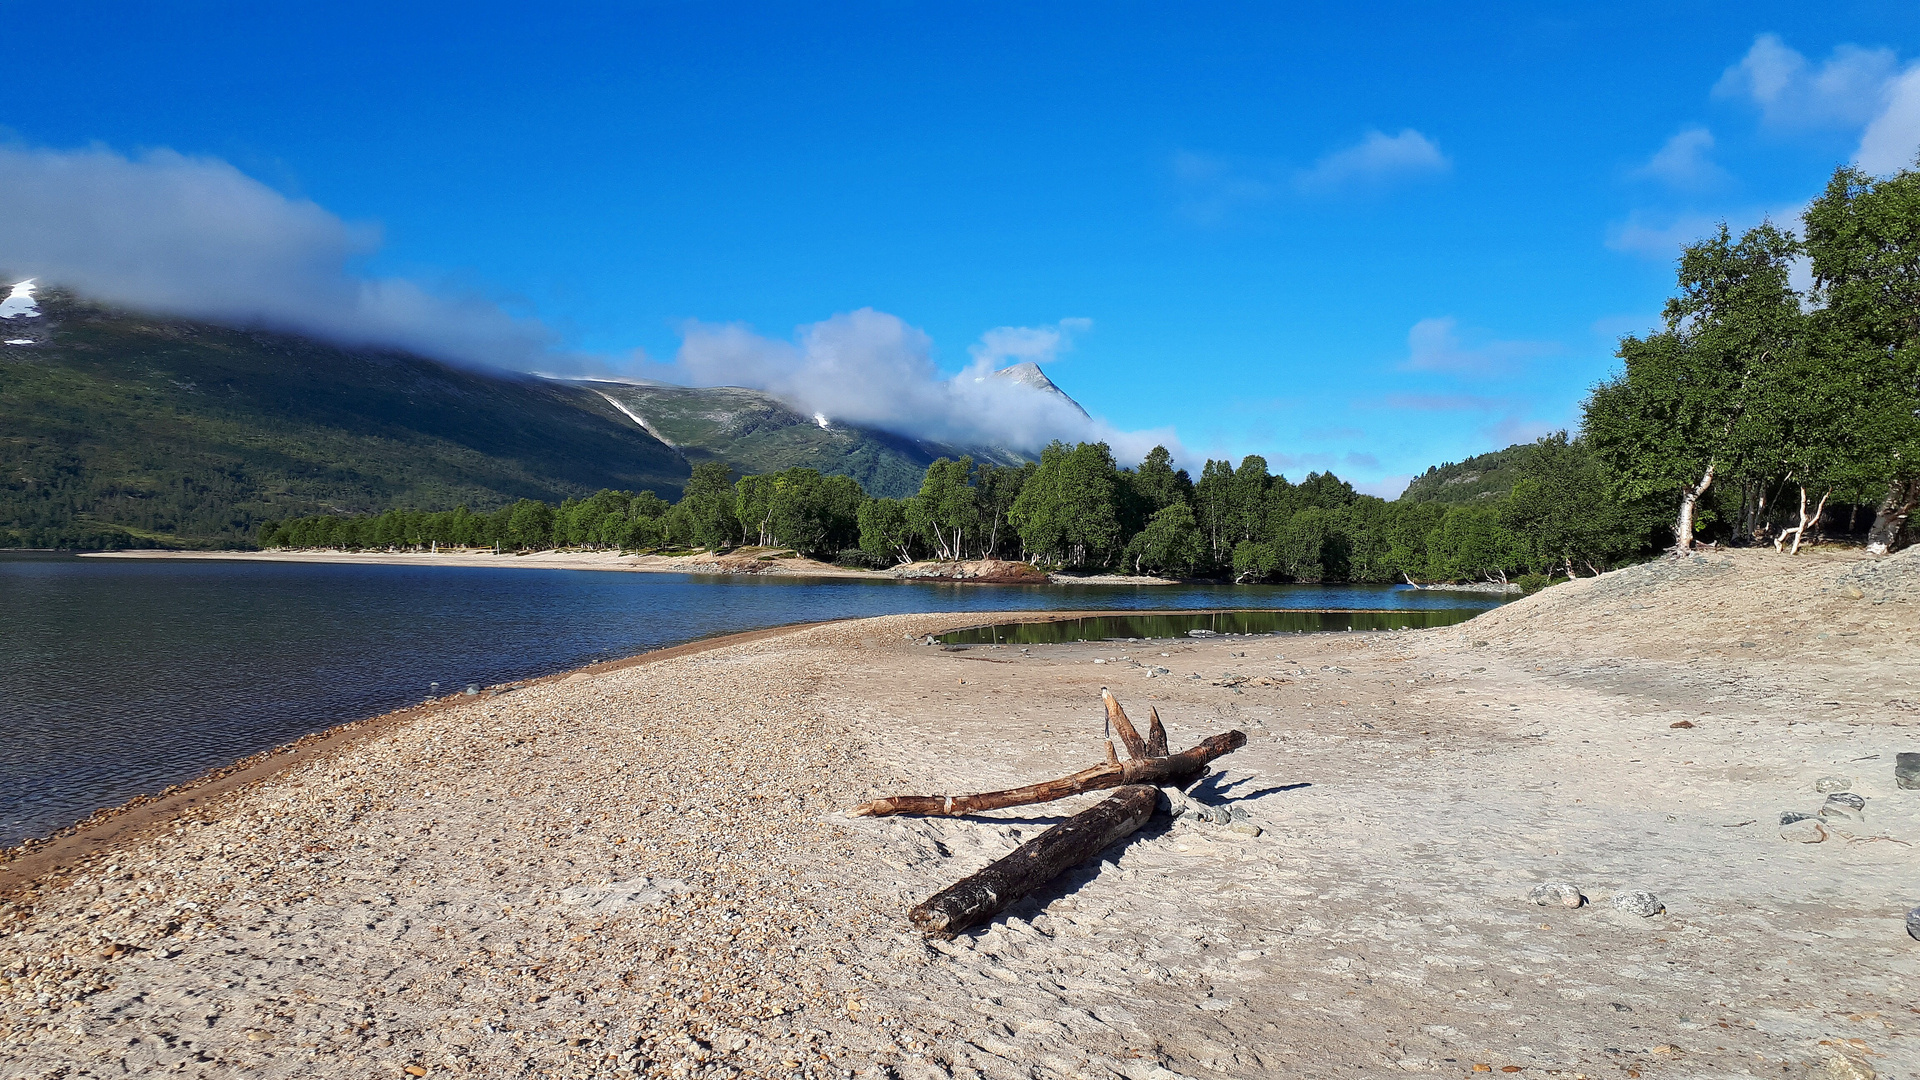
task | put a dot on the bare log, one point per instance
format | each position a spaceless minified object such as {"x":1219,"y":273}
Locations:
{"x":1156,"y":735}
{"x":1117,"y":717}
{"x":1176,"y":770}
{"x":980,"y":896}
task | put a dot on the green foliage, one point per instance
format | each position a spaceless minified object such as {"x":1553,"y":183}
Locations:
{"x":1532,"y":583}
{"x":1068,"y":512}
{"x":1482,"y":478}
{"x":885,"y":534}
{"x":123,"y":430}
{"x":1170,"y":543}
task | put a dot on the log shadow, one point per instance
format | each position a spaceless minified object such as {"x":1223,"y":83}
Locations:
{"x":1036,"y":902}
{"x":1210,"y":788}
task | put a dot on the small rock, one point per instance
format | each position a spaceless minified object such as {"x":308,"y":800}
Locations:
{"x":1556,"y":894}
{"x":1201,"y":633}
{"x":1157,"y":671}
{"x":1906,"y":771}
{"x":1681,"y":724}
{"x":1913,"y":924}
{"x":1238,"y":813}
{"x":1247,"y":827}
{"x":1833,"y":783}
{"x":1803,"y":830}
{"x":1842,"y":806}
{"x":1638,"y":902}
{"x":1788,"y":817}
{"x":1851,"y":591}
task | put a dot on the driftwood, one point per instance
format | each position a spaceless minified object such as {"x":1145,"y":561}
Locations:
{"x":978,"y":897}
{"x":1147,"y":763}
{"x":1148,"y":767}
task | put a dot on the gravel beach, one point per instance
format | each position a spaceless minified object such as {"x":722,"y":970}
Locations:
{"x":647,"y":870}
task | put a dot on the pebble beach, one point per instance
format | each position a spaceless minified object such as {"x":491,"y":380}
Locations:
{"x":646,"y":869}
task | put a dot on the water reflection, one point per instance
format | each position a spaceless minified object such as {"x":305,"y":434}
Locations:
{"x":1166,"y":624}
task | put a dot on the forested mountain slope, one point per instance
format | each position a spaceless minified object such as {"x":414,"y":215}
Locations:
{"x":757,"y":434}
{"x":1484,"y":478}
{"x":119,"y":429}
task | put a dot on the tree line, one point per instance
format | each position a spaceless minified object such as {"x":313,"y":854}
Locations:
{"x":1759,"y":406}
{"x":1075,"y":508}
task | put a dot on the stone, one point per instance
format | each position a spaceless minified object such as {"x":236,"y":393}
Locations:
{"x":1906,"y":771}
{"x":1852,"y":591}
{"x":1842,"y":806}
{"x":1833,"y":783}
{"x":1201,"y":633}
{"x":1637,"y":902}
{"x":1556,"y":894}
{"x":1803,"y":830}
{"x":1788,"y":817}
{"x":1246,"y":827}
{"x":1156,"y":671}
{"x":1913,"y":924}
{"x":1238,"y":813}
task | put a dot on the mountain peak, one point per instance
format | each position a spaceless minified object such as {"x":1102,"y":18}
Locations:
{"x":1028,"y":374}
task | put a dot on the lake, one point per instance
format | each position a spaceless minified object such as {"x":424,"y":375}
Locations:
{"x":119,"y":677}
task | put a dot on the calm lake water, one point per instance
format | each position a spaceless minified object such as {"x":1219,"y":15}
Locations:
{"x":119,"y":677}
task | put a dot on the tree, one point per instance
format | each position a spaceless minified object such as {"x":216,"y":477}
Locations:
{"x":996,"y":488}
{"x":1863,"y":237}
{"x":946,"y":509}
{"x":1068,"y":511}
{"x":1561,"y":513}
{"x":709,"y":504}
{"x":1169,"y":544}
{"x":1159,"y":484}
{"x":884,"y":531}
{"x":1682,"y":413}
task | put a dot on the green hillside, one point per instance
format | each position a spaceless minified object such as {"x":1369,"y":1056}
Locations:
{"x":757,"y":434}
{"x":119,"y":429}
{"x":1485,"y":478}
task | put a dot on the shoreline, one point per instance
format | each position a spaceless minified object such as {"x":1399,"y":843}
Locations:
{"x":751,"y":563}
{"x":37,"y":859}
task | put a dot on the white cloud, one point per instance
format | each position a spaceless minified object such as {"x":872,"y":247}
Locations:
{"x":1376,"y":159}
{"x":195,"y":237}
{"x":1436,"y":345}
{"x":1005,"y":345}
{"x":1892,"y":140}
{"x":1685,"y":161}
{"x":1854,"y":88}
{"x":871,"y":369}
{"x":1212,"y":188}
{"x":1846,"y":91}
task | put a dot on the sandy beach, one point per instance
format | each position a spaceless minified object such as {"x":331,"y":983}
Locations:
{"x":646,"y":869}
{"x":760,"y":561}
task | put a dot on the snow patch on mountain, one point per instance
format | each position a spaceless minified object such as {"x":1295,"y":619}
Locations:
{"x":633,"y":416}
{"x":821,"y":419}
{"x":19,"y":303}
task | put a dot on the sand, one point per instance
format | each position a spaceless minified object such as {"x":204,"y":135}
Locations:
{"x":767,"y":562}
{"x":646,"y":870}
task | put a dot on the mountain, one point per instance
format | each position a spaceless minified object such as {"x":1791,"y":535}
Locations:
{"x":1028,"y":374}
{"x":1484,"y":478}
{"x":121,"y":429}
{"x":756,"y":432}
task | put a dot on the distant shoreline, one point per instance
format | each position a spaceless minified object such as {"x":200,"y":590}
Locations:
{"x":752,"y":563}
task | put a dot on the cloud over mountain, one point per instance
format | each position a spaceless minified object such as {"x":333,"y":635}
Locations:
{"x":196,"y":237}
{"x":872,"y":369}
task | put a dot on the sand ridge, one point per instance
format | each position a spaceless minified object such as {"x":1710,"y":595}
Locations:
{"x":646,"y":871}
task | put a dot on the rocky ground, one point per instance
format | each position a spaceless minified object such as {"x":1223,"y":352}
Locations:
{"x":646,"y":871}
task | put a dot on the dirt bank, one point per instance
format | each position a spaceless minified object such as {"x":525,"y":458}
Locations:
{"x":645,"y":870}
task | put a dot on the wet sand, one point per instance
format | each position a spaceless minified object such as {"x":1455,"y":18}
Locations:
{"x":646,"y":870}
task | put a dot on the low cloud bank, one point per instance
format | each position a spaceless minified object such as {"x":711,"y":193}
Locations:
{"x":872,"y":369}
{"x":196,"y":237}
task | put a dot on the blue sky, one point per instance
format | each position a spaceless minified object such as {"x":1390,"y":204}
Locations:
{"x":1371,"y":239}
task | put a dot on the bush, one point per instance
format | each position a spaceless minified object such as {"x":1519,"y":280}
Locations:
{"x":1532,"y":583}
